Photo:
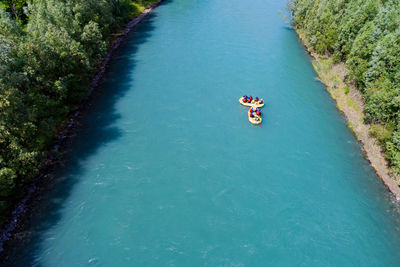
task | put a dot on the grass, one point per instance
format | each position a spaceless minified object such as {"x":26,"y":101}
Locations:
{"x":351,"y":103}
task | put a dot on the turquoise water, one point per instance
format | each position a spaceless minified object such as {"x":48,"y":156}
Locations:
{"x":167,"y":171}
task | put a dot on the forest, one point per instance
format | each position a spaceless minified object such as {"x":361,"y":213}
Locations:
{"x":50,"y":48}
{"x":365,"y":35}
{"x":48,"y":52}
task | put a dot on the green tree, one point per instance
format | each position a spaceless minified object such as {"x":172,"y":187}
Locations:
{"x":16,"y":8}
{"x":366,"y":35}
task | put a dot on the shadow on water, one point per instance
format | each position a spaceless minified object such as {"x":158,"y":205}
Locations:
{"x":96,"y":128}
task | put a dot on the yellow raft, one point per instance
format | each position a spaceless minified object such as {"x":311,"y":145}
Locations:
{"x":253,"y":103}
{"x":256,"y":119}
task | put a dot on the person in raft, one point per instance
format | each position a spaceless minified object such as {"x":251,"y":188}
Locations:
{"x":256,"y":99}
{"x":258,"y":112}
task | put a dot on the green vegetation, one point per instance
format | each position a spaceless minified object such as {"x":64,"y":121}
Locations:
{"x":48,"y":51}
{"x":365,"y":34}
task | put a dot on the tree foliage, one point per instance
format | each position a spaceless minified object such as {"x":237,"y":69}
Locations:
{"x":48,"y":50}
{"x":16,"y":7}
{"x":366,"y":35}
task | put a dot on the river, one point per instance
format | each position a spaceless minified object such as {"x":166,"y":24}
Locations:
{"x":165,"y":169}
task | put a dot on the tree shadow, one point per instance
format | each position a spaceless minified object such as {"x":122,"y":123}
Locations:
{"x":95,"y":128}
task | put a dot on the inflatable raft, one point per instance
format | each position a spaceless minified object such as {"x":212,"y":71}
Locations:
{"x":256,"y":119}
{"x":253,"y":103}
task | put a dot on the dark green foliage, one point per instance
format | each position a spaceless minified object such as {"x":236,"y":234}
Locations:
{"x":48,"y":50}
{"x":17,"y":8}
{"x":366,"y":35}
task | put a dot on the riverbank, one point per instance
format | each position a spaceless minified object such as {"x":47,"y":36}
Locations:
{"x":67,"y":129}
{"x":350,"y":102}
{"x":167,"y":184}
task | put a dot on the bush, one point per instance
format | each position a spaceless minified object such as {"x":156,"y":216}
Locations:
{"x":366,"y":35}
{"x":46,"y":58}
